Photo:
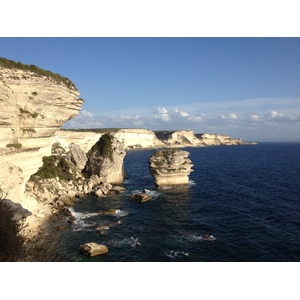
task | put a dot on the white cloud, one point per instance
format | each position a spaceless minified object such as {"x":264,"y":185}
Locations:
{"x":163,"y":114}
{"x":258,"y":118}
{"x":181,"y":113}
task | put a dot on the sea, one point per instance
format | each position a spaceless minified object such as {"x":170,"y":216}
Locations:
{"x":247,"y":197}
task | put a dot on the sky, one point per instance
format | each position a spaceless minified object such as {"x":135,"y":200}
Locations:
{"x":243,"y":87}
{"x":214,"y":67}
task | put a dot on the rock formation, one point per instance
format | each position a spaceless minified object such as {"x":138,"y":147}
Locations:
{"x":170,"y":167}
{"x":106,"y":160}
{"x":34,"y":105}
{"x":93,"y":249}
{"x":140,"y":197}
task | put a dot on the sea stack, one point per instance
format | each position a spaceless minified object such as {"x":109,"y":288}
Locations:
{"x":170,"y":167}
{"x":106,"y":160}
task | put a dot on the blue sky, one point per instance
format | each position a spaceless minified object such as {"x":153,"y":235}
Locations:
{"x":243,"y":87}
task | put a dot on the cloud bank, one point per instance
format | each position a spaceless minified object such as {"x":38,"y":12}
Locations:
{"x":253,"y":119}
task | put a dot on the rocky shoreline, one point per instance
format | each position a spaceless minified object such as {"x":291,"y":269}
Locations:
{"x":44,"y":168}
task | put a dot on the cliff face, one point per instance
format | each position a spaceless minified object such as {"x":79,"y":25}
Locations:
{"x":220,"y":139}
{"x":34,"y":105}
{"x":138,"y":138}
{"x":182,"y":138}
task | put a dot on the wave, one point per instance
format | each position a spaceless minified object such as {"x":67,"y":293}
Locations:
{"x":132,"y":242}
{"x":155,"y":194}
{"x":192,"y":182}
{"x":176,"y":254}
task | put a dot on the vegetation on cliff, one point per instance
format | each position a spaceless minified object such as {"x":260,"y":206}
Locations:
{"x":104,"y":146}
{"x":53,"y":167}
{"x":10,"y":64}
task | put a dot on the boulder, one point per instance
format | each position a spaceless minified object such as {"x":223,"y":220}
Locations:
{"x":117,"y":190}
{"x":93,"y":249}
{"x":140,"y":197}
{"x":98,"y":193}
{"x":78,"y":156}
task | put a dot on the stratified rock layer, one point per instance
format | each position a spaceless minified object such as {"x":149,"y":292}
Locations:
{"x":106,"y":160}
{"x":170,"y":167}
{"x":34,"y":104}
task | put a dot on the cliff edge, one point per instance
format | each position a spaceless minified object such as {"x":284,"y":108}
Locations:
{"x":34,"y":105}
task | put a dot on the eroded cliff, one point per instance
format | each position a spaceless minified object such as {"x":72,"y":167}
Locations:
{"x":34,"y":105}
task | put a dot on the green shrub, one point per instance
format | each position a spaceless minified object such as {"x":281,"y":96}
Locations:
{"x":104,"y":146}
{"x":11,"y":242}
{"x":53,"y":167}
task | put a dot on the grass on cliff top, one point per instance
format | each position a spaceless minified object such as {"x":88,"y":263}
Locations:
{"x":10,"y":64}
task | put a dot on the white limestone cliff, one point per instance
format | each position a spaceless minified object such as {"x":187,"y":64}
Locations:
{"x":138,"y":138}
{"x":182,"y":138}
{"x":34,"y":105}
{"x":220,"y":139}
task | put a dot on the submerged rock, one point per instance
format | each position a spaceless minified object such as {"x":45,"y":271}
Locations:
{"x":170,"y":167}
{"x":93,"y":249}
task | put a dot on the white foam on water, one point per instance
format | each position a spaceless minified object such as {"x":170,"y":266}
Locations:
{"x":192,"y":182}
{"x":81,"y":215}
{"x":173,"y":254}
{"x":152,"y":193}
{"x":121,"y":213}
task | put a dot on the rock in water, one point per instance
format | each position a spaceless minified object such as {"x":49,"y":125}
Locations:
{"x":170,"y":167}
{"x":106,"y":159}
{"x":140,"y":197}
{"x":93,"y":249}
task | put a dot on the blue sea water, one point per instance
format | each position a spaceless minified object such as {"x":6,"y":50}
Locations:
{"x":247,"y":197}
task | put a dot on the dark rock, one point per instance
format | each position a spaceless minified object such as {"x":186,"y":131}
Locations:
{"x":140,"y":197}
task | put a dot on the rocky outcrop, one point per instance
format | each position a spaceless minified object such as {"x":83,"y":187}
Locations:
{"x":57,"y":184}
{"x":140,"y":197}
{"x":78,"y":156}
{"x":93,"y":249}
{"x":170,"y":167}
{"x":106,"y":160}
{"x":34,"y":105}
